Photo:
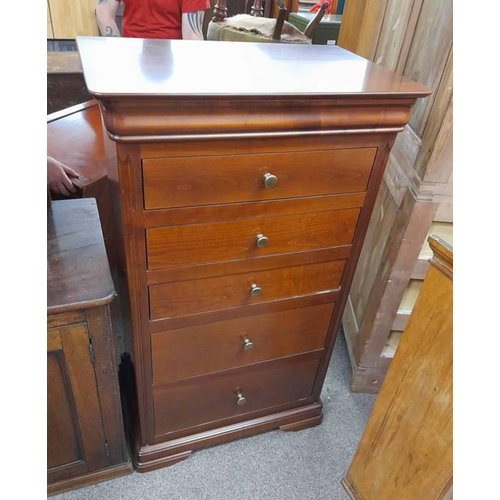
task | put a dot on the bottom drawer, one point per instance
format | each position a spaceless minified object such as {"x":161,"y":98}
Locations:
{"x":229,"y":394}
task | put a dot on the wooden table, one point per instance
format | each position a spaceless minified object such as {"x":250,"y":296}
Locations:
{"x":245,"y":186}
{"x":85,"y":439}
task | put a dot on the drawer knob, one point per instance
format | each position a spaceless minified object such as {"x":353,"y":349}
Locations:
{"x":255,"y":290}
{"x":270,"y":180}
{"x":262,"y":240}
{"x":241,"y":399}
{"x":247,"y":344}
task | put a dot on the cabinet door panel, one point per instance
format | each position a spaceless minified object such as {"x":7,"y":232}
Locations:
{"x":75,"y":438}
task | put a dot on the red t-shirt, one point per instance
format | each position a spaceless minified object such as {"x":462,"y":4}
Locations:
{"x":157,"y":18}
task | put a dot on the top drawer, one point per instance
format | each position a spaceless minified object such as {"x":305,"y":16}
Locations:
{"x":207,"y":180}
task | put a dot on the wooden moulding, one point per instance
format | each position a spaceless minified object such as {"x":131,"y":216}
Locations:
{"x":188,"y":117}
{"x":89,"y":478}
{"x":152,"y":457}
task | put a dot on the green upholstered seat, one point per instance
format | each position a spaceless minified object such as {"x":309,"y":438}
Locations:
{"x":247,"y":28}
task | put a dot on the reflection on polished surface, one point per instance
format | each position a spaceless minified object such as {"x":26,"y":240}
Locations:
{"x":131,"y":66}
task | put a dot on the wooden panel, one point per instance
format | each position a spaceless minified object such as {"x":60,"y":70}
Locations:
{"x":80,"y":373}
{"x":100,"y":330}
{"x":223,"y":292}
{"x":228,"y":179}
{"x":392,"y":34}
{"x":197,"y":243}
{"x":411,"y":426}
{"x":440,"y":165}
{"x":53,"y":340}
{"x":361,"y":24}
{"x":75,"y":437}
{"x":433,"y":35}
{"x":198,"y":350}
{"x":211,"y":398}
{"x":66,"y":318}
{"x":398,"y":265}
{"x":63,"y":440}
{"x":70,"y":19}
{"x":440,"y":106}
{"x":372,"y":255}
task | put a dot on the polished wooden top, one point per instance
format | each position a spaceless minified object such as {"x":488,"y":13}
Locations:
{"x":78,"y":274}
{"x":77,"y":138}
{"x":137,"y":67}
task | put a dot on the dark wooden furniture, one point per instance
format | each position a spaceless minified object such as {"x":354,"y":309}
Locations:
{"x":85,"y":440}
{"x":76,"y":137}
{"x":244,"y":204}
{"x":255,"y":26}
{"x":406,"y":450}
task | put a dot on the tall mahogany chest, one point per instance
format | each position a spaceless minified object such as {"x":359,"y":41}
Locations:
{"x":246,"y":174}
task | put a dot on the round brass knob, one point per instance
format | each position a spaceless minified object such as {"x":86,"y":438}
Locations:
{"x":247,"y":344}
{"x":262,"y":240}
{"x":270,"y":180}
{"x":241,"y":399}
{"x":255,"y":290}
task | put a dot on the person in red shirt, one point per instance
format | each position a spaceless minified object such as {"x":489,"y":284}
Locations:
{"x":172,"y":19}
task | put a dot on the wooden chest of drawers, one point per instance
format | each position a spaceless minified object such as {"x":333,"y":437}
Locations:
{"x":243,"y":214}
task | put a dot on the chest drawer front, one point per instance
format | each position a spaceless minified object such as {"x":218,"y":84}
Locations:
{"x":222,"y":292}
{"x":198,"y":400}
{"x":202,"y":349}
{"x":208,"y":180}
{"x":198,"y":243}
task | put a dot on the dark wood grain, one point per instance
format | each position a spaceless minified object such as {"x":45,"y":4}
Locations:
{"x":197,"y":243}
{"x":229,"y":179}
{"x":74,"y":425}
{"x":78,"y":274}
{"x":195,"y":296}
{"x":63,"y":445}
{"x":184,"y":404}
{"x":198,"y":350}
{"x":85,"y":441}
